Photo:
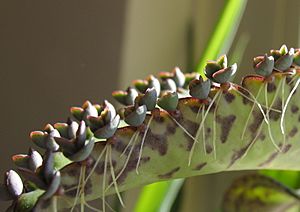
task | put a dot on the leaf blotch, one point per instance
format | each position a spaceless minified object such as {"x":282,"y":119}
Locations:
{"x":169,"y":174}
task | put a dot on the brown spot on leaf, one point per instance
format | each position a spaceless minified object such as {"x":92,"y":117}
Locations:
{"x":257,"y":120}
{"x":192,"y":128}
{"x":294,"y":109}
{"x":293,"y":132}
{"x":286,"y":148}
{"x":262,"y":136}
{"x":238,"y":154}
{"x":269,"y":160}
{"x":271,"y":87}
{"x":274,"y":115}
{"x":88,"y":187}
{"x":208,"y":148}
{"x":200,"y":166}
{"x":100,"y":166}
{"x":171,"y":129}
{"x":226,"y":125}
{"x":229,"y":97}
{"x":196,"y":108}
{"x":157,"y":142}
{"x":131,"y":165}
{"x":71,"y":192}
{"x":245,"y":100}
{"x":169,"y":174}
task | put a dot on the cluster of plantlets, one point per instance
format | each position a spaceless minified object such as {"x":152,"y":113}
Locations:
{"x":157,"y":134}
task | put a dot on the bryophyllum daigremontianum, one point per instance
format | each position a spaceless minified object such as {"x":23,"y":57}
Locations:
{"x":171,"y":126}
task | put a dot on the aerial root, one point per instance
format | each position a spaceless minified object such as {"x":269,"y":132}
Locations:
{"x":78,"y":189}
{"x":104,"y":180}
{"x":257,"y":103}
{"x":55,"y":204}
{"x":82,"y":200}
{"x":282,"y":106}
{"x":92,"y":170}
{"x":267,"y":115}
{"x":215,"y":125}
{"x":203,"y":131}
{"x":142,"y":144}
{"x":114,"y":178}
{"x":96,"y":209}
{"x":91,"y":207}
{"x":286,"y":105}
{"x":181,"y":127}
{"x":254,"y":100}
{"x":135,"y":136}
{"x":251,"y":111}
{"x":201,"y":126}
{"x":293,"y":79}
{"x":200,"y":108}
{"x":252,"y":142}
{"x":96,"y":164}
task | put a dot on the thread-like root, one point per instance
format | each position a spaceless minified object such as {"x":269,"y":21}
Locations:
{"x":96,"y":164}
{"x":267,"y":115}
{"x":132,"y":139}
{"x":254,"y":100}
{"x":91,"y":207}
{"x":113,"y":177}
{"x":252,"y":142}
{"x":286,"y":105}
{"x":82,"y":200}
{"x":55,"y":204}
{"x":96,"y":209}
{"x":142,"y":144}
{"x":90,"y":173}
{"x":104,"y":181}
{"x":293,"y":79}
{"x":215,"y":125}
{"x":78,"y":190}
{"x":282,"y":106}
{"x":202,"y":111}
{"x":203,"y":131}
{"x":182,"y":127}
{"x":200,"y":128}
{"x":251,"y":111}
{"x":135,"y":136}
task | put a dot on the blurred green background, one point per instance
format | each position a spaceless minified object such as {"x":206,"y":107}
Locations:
{"x":56,"y":54}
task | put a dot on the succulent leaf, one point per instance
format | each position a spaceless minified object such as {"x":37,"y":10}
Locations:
{"x":14,"y":183}
{"x":168,"y":101}
{"x":53,"y":186}
{"x":264,"y":65}
{"x":125,"y":97}
{"x":109,"y":129}
{"x":35,"y":160}
{"x":135,"y":116}
{"x":210,"y":68}
{"x":178,"y":77}
{"x":148,"y":99}
{"x":224,"y":75}
{"x":200,"y":88}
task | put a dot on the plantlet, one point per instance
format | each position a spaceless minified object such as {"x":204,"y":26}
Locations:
{"x":172,"y":126}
